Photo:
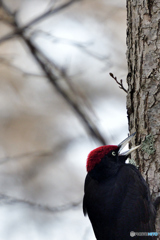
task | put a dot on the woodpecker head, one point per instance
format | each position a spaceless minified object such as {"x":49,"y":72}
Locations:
{"x":109,"y":155}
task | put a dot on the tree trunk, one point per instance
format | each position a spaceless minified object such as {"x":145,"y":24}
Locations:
{"x":143,"y":99}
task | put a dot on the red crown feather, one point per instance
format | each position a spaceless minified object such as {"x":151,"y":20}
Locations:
{"x":97,"y":154}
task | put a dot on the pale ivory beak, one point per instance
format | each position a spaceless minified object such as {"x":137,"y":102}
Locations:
{"x":123,"y":144}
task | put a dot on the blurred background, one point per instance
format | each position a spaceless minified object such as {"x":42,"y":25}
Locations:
{"x":43,"y":141}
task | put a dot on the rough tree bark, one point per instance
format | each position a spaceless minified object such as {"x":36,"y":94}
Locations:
{"x":143,"y":99}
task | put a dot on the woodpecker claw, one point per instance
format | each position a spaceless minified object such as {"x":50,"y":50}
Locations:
{"x":124,"y":143}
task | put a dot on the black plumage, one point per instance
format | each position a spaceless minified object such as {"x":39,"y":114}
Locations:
{"x":117,"y":198}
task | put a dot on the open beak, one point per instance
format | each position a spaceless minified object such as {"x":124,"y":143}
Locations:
{"x":123,"y":144}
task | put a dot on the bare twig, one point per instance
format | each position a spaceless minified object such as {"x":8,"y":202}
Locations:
{"x":4,"y":199}
{"x":81,"y":46}
{"x":119,"y":83}
{"x":49,"y":12}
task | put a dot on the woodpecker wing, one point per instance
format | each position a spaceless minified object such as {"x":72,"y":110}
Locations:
{"x":137,"y":211}
{"x":119,"y":205}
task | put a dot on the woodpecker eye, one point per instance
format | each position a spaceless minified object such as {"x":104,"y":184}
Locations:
{"x":113,"y":153}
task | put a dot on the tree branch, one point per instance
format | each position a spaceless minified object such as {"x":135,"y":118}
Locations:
{"x":6,"y":9}
{"x":27,"y":154}
{"x":38,"y":55}
{"x":49,"y":12}
{"x":39,"y":154}
{"x":81,"y":46}
{"x":41,"y":58}
{"x":119,"y":83}
{"x":4,"y":199}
